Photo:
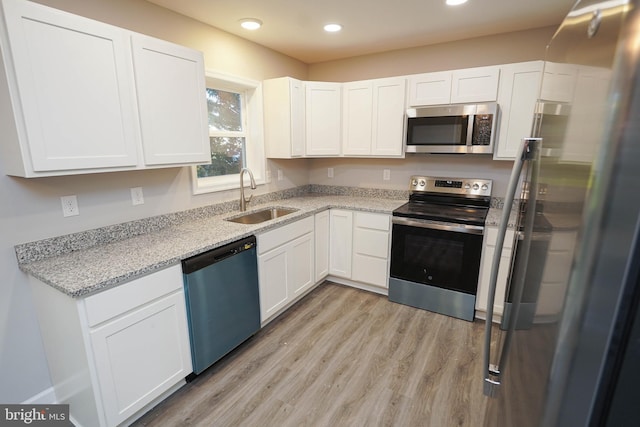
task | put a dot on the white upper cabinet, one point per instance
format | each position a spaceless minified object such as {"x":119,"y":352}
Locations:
{"x":517,"y":96}
{"x":430,"y":89}
{"x":170,"y":85}
{"x":323,"y":118}
{"x":68,"y":96}
{"x":478,"y":84}
{"x":559,"y":82}
{"x":69,"y":84}
{"x":284,"y":116}
{"x":373,"y":117}
{"x":475,"y":84}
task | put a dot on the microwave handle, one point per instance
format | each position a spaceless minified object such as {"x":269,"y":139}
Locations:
{"x":491,"y":372}
{"x":471,"y":119}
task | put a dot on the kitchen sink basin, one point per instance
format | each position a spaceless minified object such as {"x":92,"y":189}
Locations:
{"x":261,"y":215}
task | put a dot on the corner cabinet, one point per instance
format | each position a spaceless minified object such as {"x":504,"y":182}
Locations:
{"x":284,"y":116}
{"x":323,"y":118}
{"x":285,"y":265}
{"x":517,"y":96}
{"x":76,"y":97}
{"x":373,"y":118}
{"x":114,"y":354}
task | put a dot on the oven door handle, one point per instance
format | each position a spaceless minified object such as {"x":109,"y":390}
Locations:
{"x":493,"y":373}
{"x":438,"y":225}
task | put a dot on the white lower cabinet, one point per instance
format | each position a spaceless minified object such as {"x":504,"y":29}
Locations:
{"x":488,"y":251}
{"x":359,"y":248}
{"x":370,"y":263}
{"x":285,"y":265}
{"x":340,"y":243}
{"x":322,"y":245}
{"x":555,"y":278}
{"x":123,"y":349}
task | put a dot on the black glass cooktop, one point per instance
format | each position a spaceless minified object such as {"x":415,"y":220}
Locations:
{"x":459,"y":214}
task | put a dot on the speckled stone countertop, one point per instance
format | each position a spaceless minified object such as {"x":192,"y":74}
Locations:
{"x":85,"y":268}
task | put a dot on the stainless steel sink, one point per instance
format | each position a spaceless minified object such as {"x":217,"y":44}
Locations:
{"x":261,"y":215}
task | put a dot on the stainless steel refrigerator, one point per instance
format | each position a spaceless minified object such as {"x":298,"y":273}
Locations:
{"x":569,"y":354}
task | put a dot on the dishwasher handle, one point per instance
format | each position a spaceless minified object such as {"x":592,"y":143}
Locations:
{"x":213,"y":256}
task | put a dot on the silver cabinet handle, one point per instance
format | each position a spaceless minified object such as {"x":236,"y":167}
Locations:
{"x":492,"y":373}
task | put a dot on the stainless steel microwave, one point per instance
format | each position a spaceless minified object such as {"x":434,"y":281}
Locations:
{"x":462,"y":128}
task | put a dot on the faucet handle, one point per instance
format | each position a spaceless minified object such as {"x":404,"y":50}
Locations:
{"x":249,"y":199}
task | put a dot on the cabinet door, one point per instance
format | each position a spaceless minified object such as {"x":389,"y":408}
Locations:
{"x":284,"y":135}
{"x":388,"y":117}
{"x":357,"y":118}
{"x":172,"y":102}
{"x":584,"y":129}
{"x":340,"y":243}
{"x":140,"y":355}
{"x":273,"y":268}
{"x":301,"y":264}
{"x":322,"y":245}
{"x":73,"y":84}
{"x":323,"y":118}
{"x":430,"y":89}
{"x":558,"y":82}
{"x":475,"y":85}
{"x":517,"y":96}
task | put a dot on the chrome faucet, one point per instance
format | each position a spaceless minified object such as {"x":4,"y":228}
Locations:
{"x":243,"y":201}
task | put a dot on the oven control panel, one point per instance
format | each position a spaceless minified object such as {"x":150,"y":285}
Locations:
{"x":465,"y":186}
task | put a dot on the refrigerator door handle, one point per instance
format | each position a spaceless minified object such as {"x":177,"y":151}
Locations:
{"x":491,"y":372}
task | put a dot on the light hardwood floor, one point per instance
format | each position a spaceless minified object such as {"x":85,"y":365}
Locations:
{"x":341,"y":357}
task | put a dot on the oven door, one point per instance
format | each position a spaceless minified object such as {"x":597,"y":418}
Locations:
{"x":435,"y":266}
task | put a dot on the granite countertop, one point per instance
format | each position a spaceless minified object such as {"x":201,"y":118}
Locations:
{"x":81,"y":272}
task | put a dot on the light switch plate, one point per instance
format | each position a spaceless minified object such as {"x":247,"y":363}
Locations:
{"x":386,"y":174}
{"x":330,"y":172}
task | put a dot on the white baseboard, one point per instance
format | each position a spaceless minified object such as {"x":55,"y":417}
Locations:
{"x":45,"y":397}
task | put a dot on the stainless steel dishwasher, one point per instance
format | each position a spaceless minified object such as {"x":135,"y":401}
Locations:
{"x":223,"y":302}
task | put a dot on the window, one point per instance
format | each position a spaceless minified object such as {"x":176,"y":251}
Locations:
{"x":235,"y":123}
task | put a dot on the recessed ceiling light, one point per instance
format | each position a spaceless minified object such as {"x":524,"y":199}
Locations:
{"x":250,"y":23}
{"x":332,"y":28}
{"x":455,"y":2}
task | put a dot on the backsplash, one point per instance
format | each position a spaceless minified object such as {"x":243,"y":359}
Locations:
{"x":46,"y":248}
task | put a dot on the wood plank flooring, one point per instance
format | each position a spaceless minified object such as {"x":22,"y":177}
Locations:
{"x":341,"y":357}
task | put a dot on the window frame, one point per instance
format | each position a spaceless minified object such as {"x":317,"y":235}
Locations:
{"x":251,"y":91}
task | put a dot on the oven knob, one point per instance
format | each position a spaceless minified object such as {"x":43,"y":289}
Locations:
{"x":422,"y":183}
{"x":476,"y":186}
{"x":485,"y":187}
{"x":414,"y":182}
{"x":467,"y":186}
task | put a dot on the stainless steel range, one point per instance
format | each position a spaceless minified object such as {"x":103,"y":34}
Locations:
{"x":437,"y":245}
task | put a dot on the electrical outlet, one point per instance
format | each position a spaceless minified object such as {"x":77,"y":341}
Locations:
{"x":386,"y":174}
{"x":268,"y":177}
{"x":137,"y":198}
{"x":69,"y":206}
{"x":330,"y":172}
{"x":280,"y":175}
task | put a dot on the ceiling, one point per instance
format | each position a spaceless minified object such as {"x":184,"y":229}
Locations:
{"x":294,"y":27}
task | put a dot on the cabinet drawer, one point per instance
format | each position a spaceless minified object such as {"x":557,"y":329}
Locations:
{"x":374,"y":271}
{"x":371,"y":220}
{"x":371,"y":242}
{"x":112,"y":302}
{"x":286,"y":233}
